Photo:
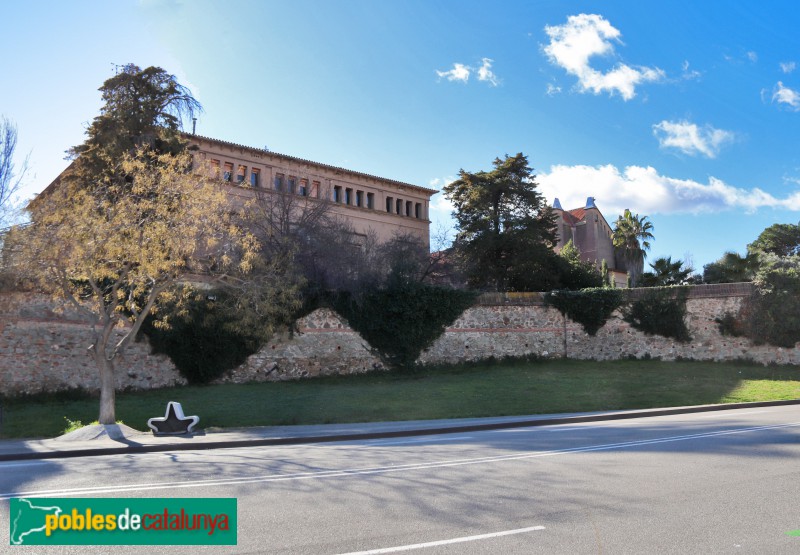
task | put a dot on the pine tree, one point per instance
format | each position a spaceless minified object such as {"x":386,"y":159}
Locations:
{"x":506,"y":232}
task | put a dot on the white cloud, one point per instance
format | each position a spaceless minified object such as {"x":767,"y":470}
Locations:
{"x":689,"y":74}
{"x":441,"y":209}
{"x":785,"y":95}
{"x":552,"y":89}
{"x":645,"y":191}
{"x":485,"y":72}
{"x":752,"y":56}
{"x":788,"y":67}
{"x":573,"y":44}
{"x":460,"y":72}
{"x":439,"y":203}
{"x":691,"y":139}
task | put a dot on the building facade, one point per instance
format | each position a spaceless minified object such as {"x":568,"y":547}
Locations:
{"x":592,"y":235}
{"x":372,"y":204}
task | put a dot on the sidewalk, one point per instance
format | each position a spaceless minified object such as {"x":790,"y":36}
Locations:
{"x":132,"y":441}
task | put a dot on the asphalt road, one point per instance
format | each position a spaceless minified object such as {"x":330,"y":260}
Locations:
{"x":718,"y":482}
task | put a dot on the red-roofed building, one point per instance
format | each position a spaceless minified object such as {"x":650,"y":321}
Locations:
{"x":591,"y":234}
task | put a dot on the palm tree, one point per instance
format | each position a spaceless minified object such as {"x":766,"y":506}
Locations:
{"x":666,"y":272}
{"x":632,"y":236}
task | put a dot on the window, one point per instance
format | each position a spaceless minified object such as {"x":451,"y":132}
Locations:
{"x":389,"y":202}
{"x":418,"y":210}
{"x":371,"y":201}
{"x":303,"y":187}
{"x":398,"y":207}
{"x":337,"y":194}
{"x":279,"y":182}
{"x":359,"y":198}
{"x":348,"y":196}
{"x":315,"y":189}
{"x":254,"y":177}
{"x":214,"y":168}
{"x":292,"y":184}
{"x":240,"y":174}
{"x":228,"y":171}
{"x":408,"y":208}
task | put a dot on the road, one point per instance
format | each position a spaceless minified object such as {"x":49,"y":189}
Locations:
{"x":716,"y":482}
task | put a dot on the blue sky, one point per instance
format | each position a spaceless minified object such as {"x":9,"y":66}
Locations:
{"x":685,"y":111}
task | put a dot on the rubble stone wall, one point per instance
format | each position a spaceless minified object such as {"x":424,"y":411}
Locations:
{"x":44,"y":349}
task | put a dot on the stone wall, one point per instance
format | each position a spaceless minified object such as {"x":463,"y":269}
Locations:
{"x":500,"y":331}
{"x":322,"y":345}
{"x":43,"y":350}
{"x":519,"y":324}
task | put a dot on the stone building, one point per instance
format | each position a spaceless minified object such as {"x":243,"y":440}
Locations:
{"x":370,"y":203}
{"x":591,"y":234}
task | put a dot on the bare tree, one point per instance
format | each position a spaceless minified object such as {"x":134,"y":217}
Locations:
{"x":10,"y":176}
{"x":323,"y":249}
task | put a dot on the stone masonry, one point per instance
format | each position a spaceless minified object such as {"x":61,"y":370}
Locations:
{"x":43,"y":350}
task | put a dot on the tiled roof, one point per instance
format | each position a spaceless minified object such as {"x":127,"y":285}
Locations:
{"x":304,"y":161}
{"x":569,"y":218}
{"x":578,"y":213}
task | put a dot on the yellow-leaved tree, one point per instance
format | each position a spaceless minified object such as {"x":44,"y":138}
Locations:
{"x":130,"y":219}
{"x":115,"y":250}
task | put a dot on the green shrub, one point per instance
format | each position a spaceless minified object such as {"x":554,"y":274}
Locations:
{"x":72,"y":425}
{"x":589,"y":307}
{"x":402,"y":319}
{"x":575,"y":273}
{"x":731,"y":324}
{"x":660,"y":311}
{"x":773,"y":311}
{"x":202,"y":335}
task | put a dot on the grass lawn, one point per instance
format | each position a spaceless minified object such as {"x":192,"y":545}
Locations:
{"x":514,"y":388}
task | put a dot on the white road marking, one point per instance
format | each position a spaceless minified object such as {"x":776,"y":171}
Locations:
{"x":572,"y":428}
{"x":733,"y":414}
{"x":429,"y":439}
{"x":382,"y":469}
{"x":447,"y":542}
{"x":601,"y":425}
{"x":557,"y":428}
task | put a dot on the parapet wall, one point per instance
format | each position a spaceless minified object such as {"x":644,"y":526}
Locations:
{"x":43,"y":350}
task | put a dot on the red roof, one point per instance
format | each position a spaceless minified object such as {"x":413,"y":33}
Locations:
{"x":573,"y":216}
{"x":578,"y":213}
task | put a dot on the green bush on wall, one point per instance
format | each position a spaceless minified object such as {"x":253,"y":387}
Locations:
{"x":660,"y":311}
{"x":772,"y":313}
{"x":590,"y":307}
{"x":203,"y":339}
{"x":401,"y":320}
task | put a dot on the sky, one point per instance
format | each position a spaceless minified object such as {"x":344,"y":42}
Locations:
{"x":687,"y":112}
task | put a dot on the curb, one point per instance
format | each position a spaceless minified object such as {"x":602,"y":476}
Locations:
{"x":232,"y":444}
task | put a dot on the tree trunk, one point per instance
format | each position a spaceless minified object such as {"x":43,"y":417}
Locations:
{"x":107,"y":387}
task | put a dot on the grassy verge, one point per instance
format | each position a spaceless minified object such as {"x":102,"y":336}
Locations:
{"x":454,"y":392}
